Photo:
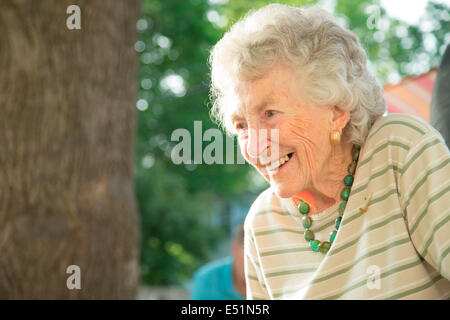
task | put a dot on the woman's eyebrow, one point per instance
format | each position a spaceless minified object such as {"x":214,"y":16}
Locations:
{"x":262,"y":105}
{"x":236,"y":116}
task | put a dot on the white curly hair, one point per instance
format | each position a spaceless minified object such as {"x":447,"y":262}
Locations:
{"x":329,"y":58}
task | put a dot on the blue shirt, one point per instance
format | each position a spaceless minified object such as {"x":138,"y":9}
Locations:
{"x":214,"y":281}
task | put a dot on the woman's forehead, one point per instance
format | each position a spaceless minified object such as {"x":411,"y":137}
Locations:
{"x":253,"y":97}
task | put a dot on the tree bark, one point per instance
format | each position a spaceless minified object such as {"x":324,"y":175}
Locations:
{"x":67,"y":129}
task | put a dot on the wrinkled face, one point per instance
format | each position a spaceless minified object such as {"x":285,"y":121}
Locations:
{"x":282,"y":135}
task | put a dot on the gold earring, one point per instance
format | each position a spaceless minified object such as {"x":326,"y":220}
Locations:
{"x":335,"y":137}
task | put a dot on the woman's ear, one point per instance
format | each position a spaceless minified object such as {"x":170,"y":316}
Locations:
{"x":340,"y":118}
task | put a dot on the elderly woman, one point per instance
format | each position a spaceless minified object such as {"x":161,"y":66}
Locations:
{"x":358,"y":204}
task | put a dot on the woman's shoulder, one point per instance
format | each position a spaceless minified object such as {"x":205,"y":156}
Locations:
{"x":262,"y":209}
{"x":400,"y":129}
{"x":396,"y":137}
{"x":400,"y":124}
{"x":266,"y":200}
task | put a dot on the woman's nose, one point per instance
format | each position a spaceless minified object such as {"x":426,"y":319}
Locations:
{"x":257,"y":142}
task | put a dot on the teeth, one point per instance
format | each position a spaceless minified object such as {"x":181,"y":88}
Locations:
{"x":278,"y":163}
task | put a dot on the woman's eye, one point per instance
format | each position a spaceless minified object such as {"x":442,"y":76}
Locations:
{"x":270,"y":113}
{"x":239,"y":126}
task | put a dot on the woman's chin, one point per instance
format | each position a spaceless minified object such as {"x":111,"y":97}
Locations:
{"x":283,"y":191}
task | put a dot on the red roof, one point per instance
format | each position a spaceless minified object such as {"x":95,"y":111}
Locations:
{"x":412,"y":95}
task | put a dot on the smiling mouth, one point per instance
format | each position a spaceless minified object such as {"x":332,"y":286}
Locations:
{"x":275,"y":166}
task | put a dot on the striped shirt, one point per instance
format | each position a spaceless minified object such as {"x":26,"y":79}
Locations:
{"x":397,"y":249}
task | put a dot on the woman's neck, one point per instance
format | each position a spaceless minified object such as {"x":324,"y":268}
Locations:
{"x":326,"y":189}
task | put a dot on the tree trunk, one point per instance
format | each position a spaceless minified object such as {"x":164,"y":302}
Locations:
{"x":67,"y":126}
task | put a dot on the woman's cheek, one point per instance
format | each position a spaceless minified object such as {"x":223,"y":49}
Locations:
{"x":308,"y":136}
{"x":243,"y":147}
{"x":302,"y":131}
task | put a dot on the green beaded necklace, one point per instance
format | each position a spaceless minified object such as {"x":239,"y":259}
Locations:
{"x":303,"y":208}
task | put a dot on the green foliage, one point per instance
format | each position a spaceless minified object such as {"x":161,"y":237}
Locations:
{"x":395,"y":48}
{"x":181,"y":205}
